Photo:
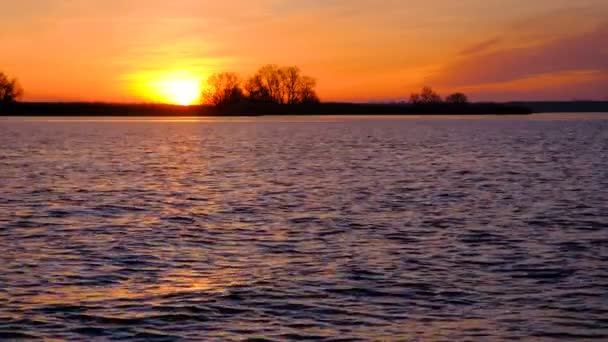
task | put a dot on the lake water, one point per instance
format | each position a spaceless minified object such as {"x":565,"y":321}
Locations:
{"x":315,"y":228}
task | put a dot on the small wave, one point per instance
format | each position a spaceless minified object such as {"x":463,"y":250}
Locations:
{"x":15,"y":335}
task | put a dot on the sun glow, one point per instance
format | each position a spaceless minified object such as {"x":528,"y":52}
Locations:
{"x":180,"y":91}
{"x":173,"y":87}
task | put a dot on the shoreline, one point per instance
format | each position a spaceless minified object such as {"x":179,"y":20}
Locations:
{"x":83,"y":109}
{"x":93,"y":109}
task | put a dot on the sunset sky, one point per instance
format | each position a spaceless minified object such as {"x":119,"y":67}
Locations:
{"x":358,"y":50}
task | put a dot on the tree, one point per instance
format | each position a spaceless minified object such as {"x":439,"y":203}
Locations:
{"x":297,"y":88}
{"x":10,"y":90}
{"x":426,"y":96}
{"x":271,"y":84}
{"x":457,"y":98}
{"x":266,"y":85}
{"x":415,"y":98}
{"x":290,"y":79}
{"x":305,"y":92}
{"x":223,"y":88}
{"x":281,"y":85}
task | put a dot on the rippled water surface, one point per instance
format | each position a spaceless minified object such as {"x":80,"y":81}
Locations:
{"x":315,"y":228}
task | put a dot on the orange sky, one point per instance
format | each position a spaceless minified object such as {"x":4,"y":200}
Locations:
{"x":359,"y":50}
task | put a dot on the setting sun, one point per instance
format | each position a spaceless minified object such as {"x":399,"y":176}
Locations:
{"x":180,"y":87}
{"x":180,"y":91}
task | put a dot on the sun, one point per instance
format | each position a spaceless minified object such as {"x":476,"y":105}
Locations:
{"x":180,"y":86}
{"x":182,"y":92}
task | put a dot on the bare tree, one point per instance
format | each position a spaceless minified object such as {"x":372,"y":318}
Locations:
{"x":10,"y":89}
{"x":265,"y":85}
{"x":281,"y":85}
{"x":223,"y":88}
{"x":256,"y":90}
{"x":426,"y":96}
{"x":306,"y":91}
{"x":457,"y":98}
{"x":290,"y":79}
{"x":415,"y":98}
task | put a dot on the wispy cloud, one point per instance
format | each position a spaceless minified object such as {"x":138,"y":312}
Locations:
{"x":480,"y":47}
{"x":581,"y":52}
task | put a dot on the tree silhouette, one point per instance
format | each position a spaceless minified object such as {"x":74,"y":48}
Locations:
{"x":223,"y":88}
{"x":306,"y":91}
{"x":426,"y":96}
{"x":281,"y":85}
{"x":10,"y":90}
{"x":457,"y":98}
{"x":290,"y":79}
{"x":271,"y":84}
{"x":265,"y":86}
{"x":297,"y":88}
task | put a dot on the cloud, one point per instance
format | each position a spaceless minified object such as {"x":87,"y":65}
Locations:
{"x":568,"y":85}
{"x":582,"y":52}
{"x":480,"y":47}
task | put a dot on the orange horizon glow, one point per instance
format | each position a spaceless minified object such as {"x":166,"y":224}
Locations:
{"x":369,"y":50}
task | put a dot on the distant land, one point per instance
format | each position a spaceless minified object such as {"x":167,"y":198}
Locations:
{"x":116,"y":109}
{"x":113,"y":109}
{"x":275,"y":90}
{"x":564,"y":106}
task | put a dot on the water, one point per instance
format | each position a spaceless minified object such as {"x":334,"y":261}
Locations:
{"x":316,"y":228}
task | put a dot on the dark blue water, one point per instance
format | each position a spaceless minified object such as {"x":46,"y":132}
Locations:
{"x":329,"y":229}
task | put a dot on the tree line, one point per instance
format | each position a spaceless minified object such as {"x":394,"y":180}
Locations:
{"x":271,"y":84}
{"x":428,"y":97}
